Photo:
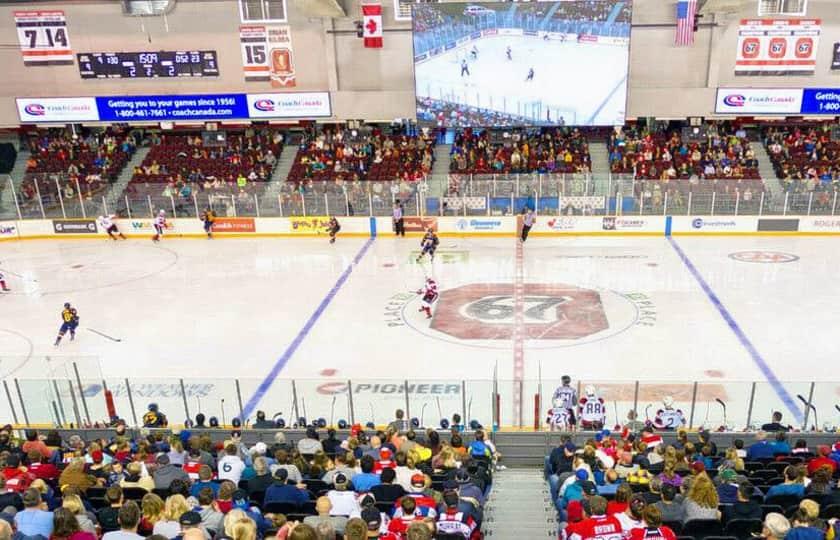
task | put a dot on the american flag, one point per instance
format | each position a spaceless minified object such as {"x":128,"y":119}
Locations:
{"x":686,"y":12}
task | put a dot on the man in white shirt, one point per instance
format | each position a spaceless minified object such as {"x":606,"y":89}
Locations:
{"x":231,"y":465}
{"x":343,"y":501}
{"x":632,"y":517}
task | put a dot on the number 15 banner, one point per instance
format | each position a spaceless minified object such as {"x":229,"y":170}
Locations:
{"x":267,"y":55}
{"x":43,"y":37}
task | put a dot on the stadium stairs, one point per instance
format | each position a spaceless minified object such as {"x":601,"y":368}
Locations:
{"x":440,"y":170}
{"x":765,"y":169}
{"x":281,"y":171}
{"x":7,"y":201}
{"x":115,"y":193}
{"x":519,"y":506}
{"x":600,"y":156}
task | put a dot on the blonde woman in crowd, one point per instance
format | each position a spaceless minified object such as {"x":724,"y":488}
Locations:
{"x":170,"y":525}
{"x":73,"y":503}
{"x":702,"y":501}
{"x":151,"y":509}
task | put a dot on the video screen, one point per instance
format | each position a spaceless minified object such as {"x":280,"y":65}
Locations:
{"x":514,"y":64}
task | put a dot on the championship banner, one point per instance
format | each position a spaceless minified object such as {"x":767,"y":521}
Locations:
{"x":253,"y":43}
{"x":282,"y":59}
{"x":43,"y":37}
{"x":777,"y":47}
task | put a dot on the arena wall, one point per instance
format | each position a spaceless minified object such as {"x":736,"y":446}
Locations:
{"x":378,"y":84}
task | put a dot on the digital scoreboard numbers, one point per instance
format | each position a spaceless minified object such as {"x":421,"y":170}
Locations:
{"x":43,"y":37}
{"x":148,"y":65}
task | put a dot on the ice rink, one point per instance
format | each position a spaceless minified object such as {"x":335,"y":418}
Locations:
{"x":589,"y":80}
{"x":605,"y":310}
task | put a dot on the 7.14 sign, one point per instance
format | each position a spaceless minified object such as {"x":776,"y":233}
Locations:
{"x":43,"y":37}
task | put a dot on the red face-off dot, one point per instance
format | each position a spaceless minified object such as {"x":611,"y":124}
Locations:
{"x":328,"y":372}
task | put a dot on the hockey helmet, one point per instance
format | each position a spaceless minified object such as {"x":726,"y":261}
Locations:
{"x":66,"y":304}
{"x":475,"y":425}
{"x":566,"y":379}
{"x":415,"y":422}
{"x":589,"y":390}
{"x":370,"y":425}
{"x":342,"y":424}
{"x":321,"y":423}
{"x":444,"y":424}
{"x":668,"y":401}
{"x":236,"y":422}
{"x":213,"y":422}
{"x":280,"y":423}
{"x":152,"y":406}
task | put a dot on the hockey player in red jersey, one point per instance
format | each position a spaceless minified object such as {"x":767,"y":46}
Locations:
{"x":591,"y":409}
{"x":430,"y":294}
{"x":668,"y":418}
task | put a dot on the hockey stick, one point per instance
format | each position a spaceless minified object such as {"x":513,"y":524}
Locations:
{"x":722,"y":404}
{"x":647,"y":411}
{"x":106,"y":336}
{"x":469,"y":412}
{"x":332,"y":411}
{"x":837,"y":407}
{"x":809,"y":406}
{"x":18,"y":275}
{"x":422,"y":414}
{"x":615,"y":407}
{"x":440,"y":411}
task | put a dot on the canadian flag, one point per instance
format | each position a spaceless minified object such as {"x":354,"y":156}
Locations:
{"x":372,"y":25}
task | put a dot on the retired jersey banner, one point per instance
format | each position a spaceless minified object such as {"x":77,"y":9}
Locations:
{"x":281,"y":57}
{"x":43,"y":37}
{"x":253,"y":43}
{"x":777,"y":47}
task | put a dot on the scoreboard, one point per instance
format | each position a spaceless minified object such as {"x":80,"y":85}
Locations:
{"x":140,"y":65}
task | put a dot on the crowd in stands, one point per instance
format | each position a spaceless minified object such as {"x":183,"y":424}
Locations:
{"x":635,"y":486}
{"x":663,"y":155}
{"x":449,"y":114}
{"x":340,"y":155}
{"x":548,"y":150}
{"x":392,"y":484}
{"x":589,"y":10}
{"x":805,"y":158}
{"x":185,"y":166}
{"x":63,"y":162}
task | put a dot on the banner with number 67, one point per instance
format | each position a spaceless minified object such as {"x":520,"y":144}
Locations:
{"x":43,"y":37}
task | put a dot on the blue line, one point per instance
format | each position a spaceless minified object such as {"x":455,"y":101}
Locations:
{"x":668,"y":222}
{"x":265,"y":385}
{"x":777,"y":386}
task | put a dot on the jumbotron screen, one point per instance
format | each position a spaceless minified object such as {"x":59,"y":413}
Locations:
{"x":514,"y":64}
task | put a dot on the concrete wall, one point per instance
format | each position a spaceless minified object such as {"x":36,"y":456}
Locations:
{"x":665,"y":81}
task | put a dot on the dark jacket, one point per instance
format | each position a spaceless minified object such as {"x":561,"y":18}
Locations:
{"x":742,"y":510}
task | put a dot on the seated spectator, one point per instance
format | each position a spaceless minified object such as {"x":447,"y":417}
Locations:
{"x":745,"y":507}
{"x":280,"y":491}
{"x":669,"y":508}
{"x":387,"y":490}
{"x":18,"y":478}
{"x":73,"y":503}
{"x":34,"y":519}
{"x":173,"y":509}
{"x":611,"y":483}
{"x":761,"y":449}
{"x":9,"y":497}
{"x":780,"y":444}
{"x":631,"y":518}
{"x":152,"y":512}
{"x":702,"y":499}
{"x":560,"y":461}
{"x":129,"y":518}
{"x":652,"y":526}
{"x":66,"y":527}
{"x":597,"y":525}
{"x":791,"y":486}
{"x":167,"y":472}
{"x":342,"y":500}
{"x":366,"y":479}
{"x":34,"y":443}
{"x":625,"y":466}
{"x":450,"y":519}
{"x":134,"y":477}
{"x":821,"y":482}
{"x":621,"y":501}
{"x":728,"y":488}
{"x":204,"y":480}
{"x":284,"y":461}
{"x":108,"y":517}
{"x":324,"y":508}
{"x":231,"y":465}
{"x":803,"y":527}
{"x":822,"y":460}
{"x":310,"y":443}
{"x":211,"y":518}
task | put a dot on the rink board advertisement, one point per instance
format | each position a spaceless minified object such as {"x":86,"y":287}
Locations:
{"x":489,"y":64}
{"x":156,"y":108}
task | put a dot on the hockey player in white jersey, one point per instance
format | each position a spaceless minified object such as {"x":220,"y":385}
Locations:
{"x":558,"y":418}
{"x":108,"y":225}
{"x":567,"y":397}
{"x":430,"y":294}
{"x":668,"y":418}
{"x":591,"y":410}
{"x":160,"y":225}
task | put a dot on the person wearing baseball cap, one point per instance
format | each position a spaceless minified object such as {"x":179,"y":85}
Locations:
{"x":281,"y":491}
{"x":468,"y":489}
{"x":632,"y":517}
{"x":342,"y":498}
{"x":560,"y":461}
{"x":417,"y":491}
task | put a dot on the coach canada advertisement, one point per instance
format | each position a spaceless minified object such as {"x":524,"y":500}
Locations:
{"x":541,"y":63}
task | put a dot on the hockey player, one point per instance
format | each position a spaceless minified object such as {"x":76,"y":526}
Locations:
{"x":208,"y":217}
{"x":430,"y":294}
{"x":465,"y":69}
{"x":160,"y":224}
{"x":558,"y":416}
{"x":567,"y":396}
{"x":509,"y":53}
{"x":474,"y":52}
{"x":668,"y":418}
{"x":591,"y":410}
{"x":154,"y":417}
{"x":428,"y":244}
{"x":530,"y":76}
{"x":3,"y":283}
{"x":69,"y":321}
{"x":108,"y":225}
{"x":333,"y":227}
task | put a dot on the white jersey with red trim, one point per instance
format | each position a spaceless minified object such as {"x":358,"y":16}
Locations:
{"x":559,"y":417}
{"x":430,"y":291}
{"x":669,"y":419}
{"x":106,"y":222}
{"x":453,"y":522}
{"x":591,"y":409}
{"x":160,"y":221}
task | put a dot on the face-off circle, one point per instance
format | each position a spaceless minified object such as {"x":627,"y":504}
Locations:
{"x":767,"y":257}
{"x":555,"y":315}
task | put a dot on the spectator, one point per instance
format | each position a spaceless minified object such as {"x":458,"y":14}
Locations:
{"x":73,"y":503}
{"x":669,"y":508}
{"x":324,"y":508}
{"x":780,"y":444}
{"x":231,"y":465}
{"x":66,"y":527}
{"x":108,"y":516}
{"x":560,"y":461}
{"x":33,"y":443}
{"x":625,"y":466}
{"x":342,"y":500}
{"x":631,"y":518}
{"x":211,"y":518}
{"x":284,"y":461}
{"x":802,"y":527}
{"x":18,"y":478}
{"x":331,"y":445}
{"x":262,"y":476}
{"x":610,"y":485}
{"x":34,"y":519}
{"x":387,"y":490}
{"x":129,"y":518}
{"x":345,"y":464}
{"x":822,"y":460}
{"x":134,"y":477}
{"x":450,"y":520}
{"x":310,"y":443}
{"x":9,"y":497}
{"x":728,"y":487}
{"x":205,"y":480}
{"x":366,"y":479}
{"x":652,"y":527}
{"x":761,"y":449}
{"x":598,"y":526}
{"x":167,"y":472}
{"x":745,"y":507}
{"x":621,"y":501}
{"x":820,"y":482}
{"x":191,"y":526}
{"x":153,"y":507}
{"x":791,"y":486}
{"x":173,"y":509}
{"x":280,"y":491}
{"x":776,"y":527}
{"x":702,"y":499}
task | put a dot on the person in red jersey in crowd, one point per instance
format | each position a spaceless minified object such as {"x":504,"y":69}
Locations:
{"x":653,"y":529}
